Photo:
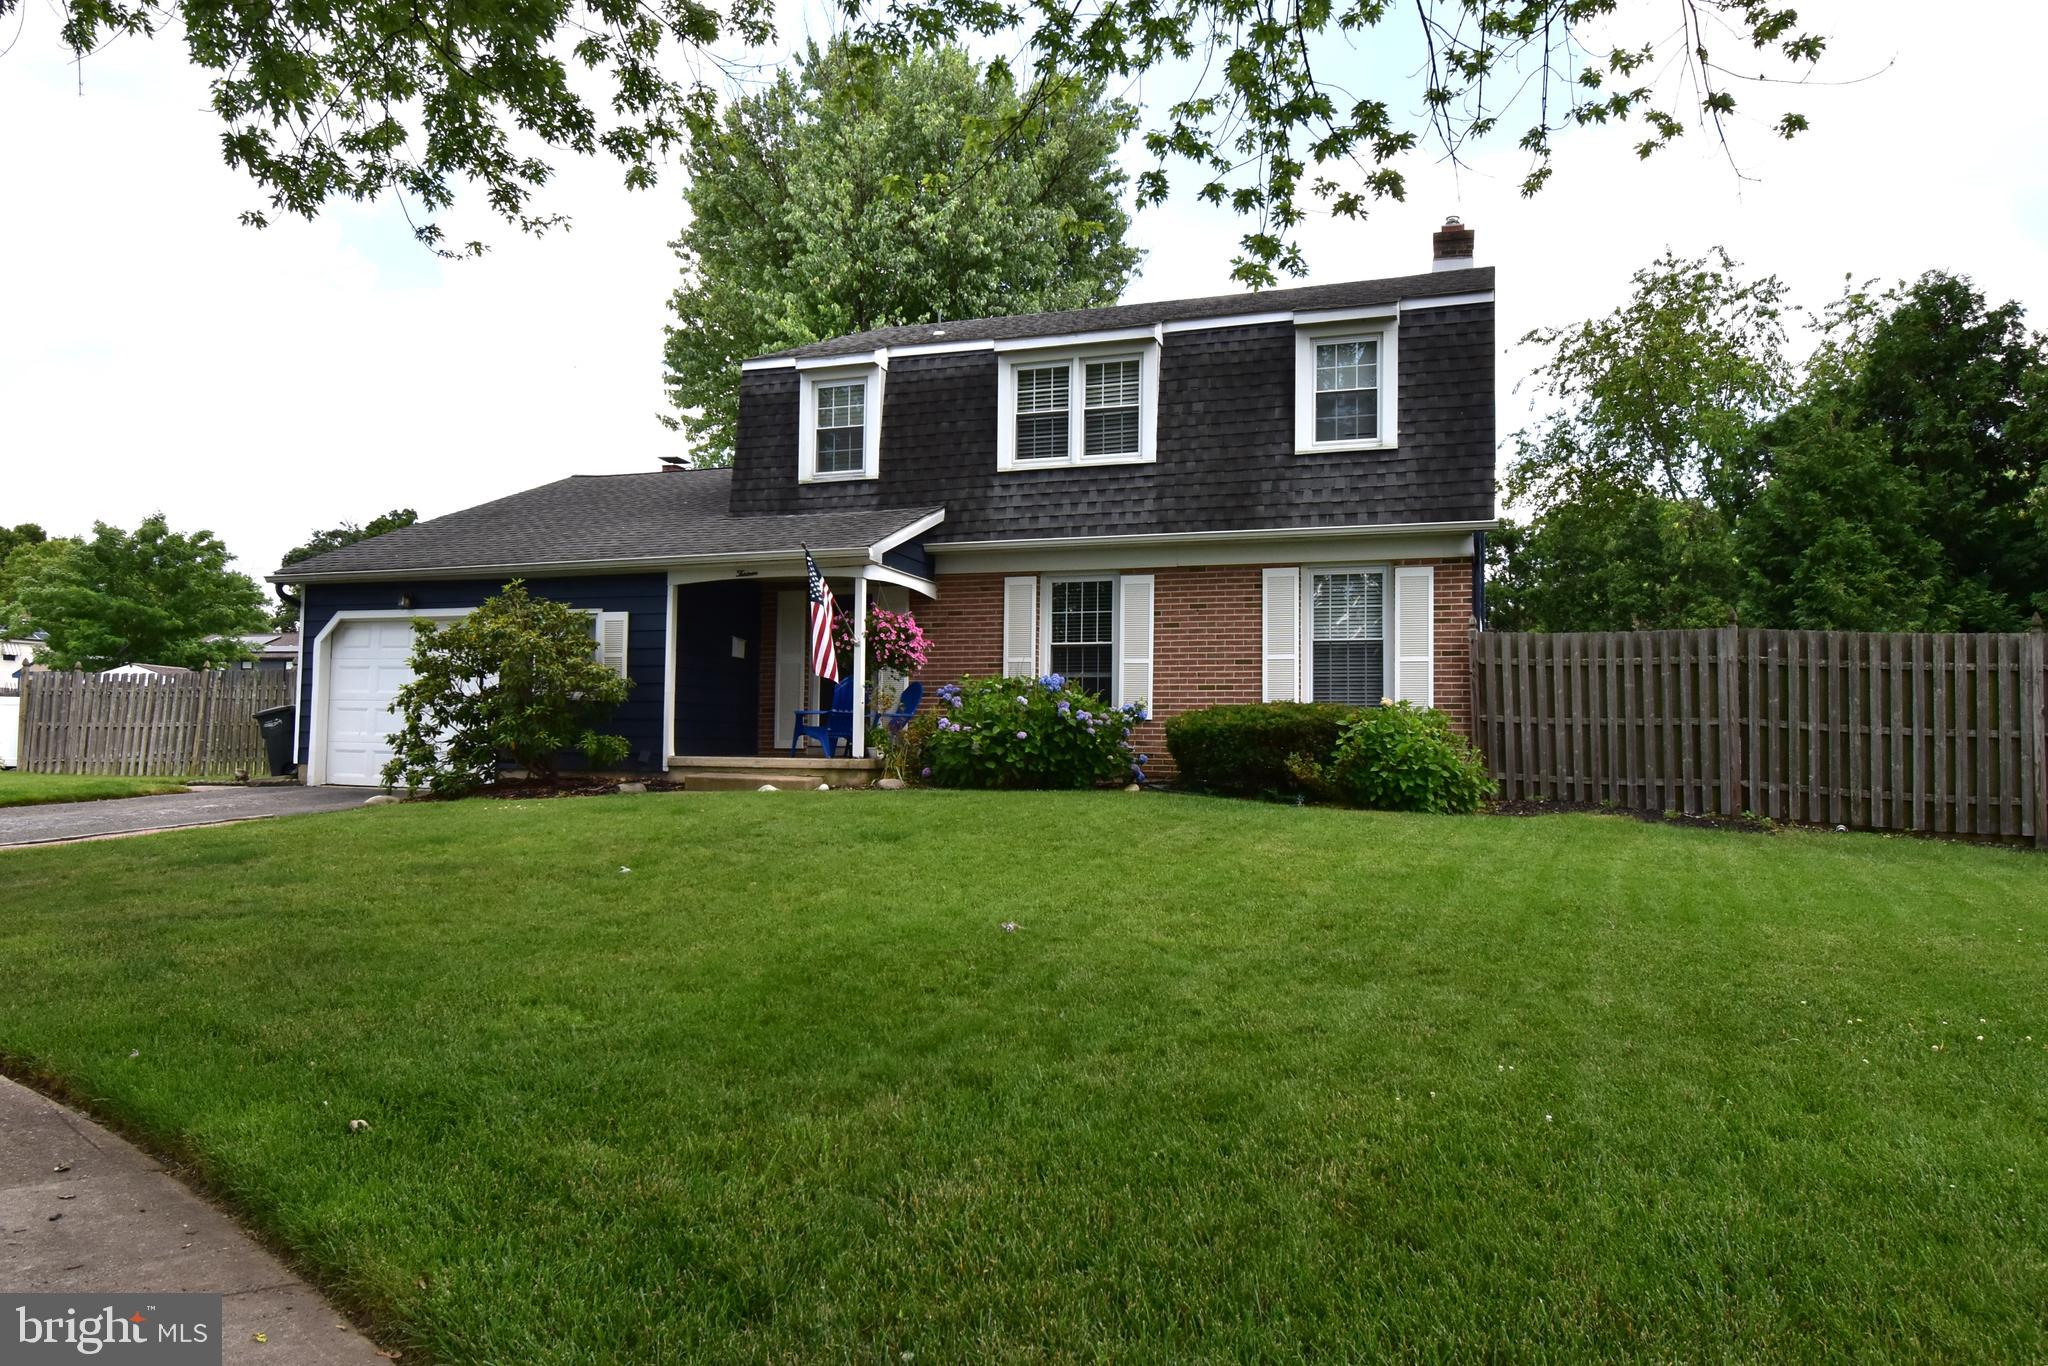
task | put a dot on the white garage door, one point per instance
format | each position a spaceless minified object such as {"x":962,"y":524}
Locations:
{"x":366,"y":666}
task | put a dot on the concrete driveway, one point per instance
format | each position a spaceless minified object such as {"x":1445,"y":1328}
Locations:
{"x":21,"y":825}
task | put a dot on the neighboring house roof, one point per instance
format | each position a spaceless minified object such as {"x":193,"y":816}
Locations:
{"x":1018,"y":327}
{"x":268,"y":644}
{"x":140,"y":670}
{"x":601,"y":519}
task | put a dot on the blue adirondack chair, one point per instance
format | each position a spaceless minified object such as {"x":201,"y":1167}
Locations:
{"x":828,"y":728}
{"x":906,"y":707}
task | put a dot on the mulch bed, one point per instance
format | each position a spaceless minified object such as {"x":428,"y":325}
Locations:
{"x":1753,"y":825}
{"x":526,"y":789}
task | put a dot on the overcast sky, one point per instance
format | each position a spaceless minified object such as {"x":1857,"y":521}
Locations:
{"x":156,"y":355}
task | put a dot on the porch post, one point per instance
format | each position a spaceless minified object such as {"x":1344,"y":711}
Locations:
{"x":668,"y":681}
{"x":860,"y":664}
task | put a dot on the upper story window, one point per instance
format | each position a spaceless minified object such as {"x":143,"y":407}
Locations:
{"x":1344,"y":387}
{"x":1097,"y":406}
{"x":840,"y":424}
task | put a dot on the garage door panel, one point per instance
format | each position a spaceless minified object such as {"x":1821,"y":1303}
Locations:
{"x":367,"y":663}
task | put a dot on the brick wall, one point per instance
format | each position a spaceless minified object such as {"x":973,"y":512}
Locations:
{"x":1206,"y":640}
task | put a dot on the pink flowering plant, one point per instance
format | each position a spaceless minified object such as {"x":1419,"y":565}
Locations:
{"x":1030,"y":733}
{"x":896,"y":643}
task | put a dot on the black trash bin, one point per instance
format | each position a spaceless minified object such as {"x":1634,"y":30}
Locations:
{"x":276,"y":725}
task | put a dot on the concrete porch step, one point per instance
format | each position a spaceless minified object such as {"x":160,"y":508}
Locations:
{"x":744,"y":773}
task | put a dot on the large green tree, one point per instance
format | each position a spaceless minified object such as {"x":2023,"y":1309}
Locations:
{"x":26,"y":562}
{"x":1644,"y":455}
{"x":868,"y":191}
{"x":150,"y":596}
{"x":285,"y":616}
{"x":1904,"y":483}
{"x":1274,"y":108}
{"x":1892,"y":481}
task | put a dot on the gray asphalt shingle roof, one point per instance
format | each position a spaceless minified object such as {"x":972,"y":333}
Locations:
{"x":593,"y":518}
{"x":1021,"y":326}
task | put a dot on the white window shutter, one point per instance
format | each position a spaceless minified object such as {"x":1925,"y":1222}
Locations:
{"x":1134,"y":642}
{"x":1282,"y":618}
{"x":1020,"y":626}
{"x":1414,"y":624}
{"x":610,"y":629}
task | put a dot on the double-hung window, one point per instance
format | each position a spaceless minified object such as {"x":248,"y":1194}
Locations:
{"x":1348,"y":390}
{"x":840,"y":424}
{"x":1081,"y":633}
{"x":1044,"y":421}
{"x":1114,"y":397}
{"x":1095,"y":407}
{"x":1344,"y":388}
{"x":1347,"y":636}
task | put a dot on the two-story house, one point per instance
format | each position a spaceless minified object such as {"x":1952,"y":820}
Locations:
{"x":1271,"y":495}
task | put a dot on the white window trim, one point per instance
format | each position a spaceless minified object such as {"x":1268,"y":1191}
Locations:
{"x":1305,"y":627}
{"x":872,"y":377}
{"x":1306,"y":339}
{"x":1144,"y":350}
{"x":1116,"y":625}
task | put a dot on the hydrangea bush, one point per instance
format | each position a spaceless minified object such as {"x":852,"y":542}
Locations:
{"x":1030,"y":733}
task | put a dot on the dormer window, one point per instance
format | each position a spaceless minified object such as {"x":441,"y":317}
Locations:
{"x":1092,"y":407}
{"x":1344,"y":387}
{"x":840,"y":424}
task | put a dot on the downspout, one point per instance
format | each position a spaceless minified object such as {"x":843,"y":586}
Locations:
{"x":1479,"y":579}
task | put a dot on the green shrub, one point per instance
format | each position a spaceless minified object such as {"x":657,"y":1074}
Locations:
{"x":1030,"y":732}
{"x":1255,"y":750}
{"x":1400,"y":757}
{"x":517,"y":680}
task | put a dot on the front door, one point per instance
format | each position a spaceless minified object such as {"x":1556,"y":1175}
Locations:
{"x":718,"y":681}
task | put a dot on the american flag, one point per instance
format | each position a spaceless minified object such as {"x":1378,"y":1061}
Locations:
{"x":824,"y":658}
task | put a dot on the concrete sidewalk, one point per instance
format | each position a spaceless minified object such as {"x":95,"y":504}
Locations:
{"x":81,"y":1210}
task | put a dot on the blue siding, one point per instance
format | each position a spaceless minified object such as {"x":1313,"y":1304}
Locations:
{"x":643,"y":596}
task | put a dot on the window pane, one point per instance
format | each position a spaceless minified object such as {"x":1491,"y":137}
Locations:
{"x":1347,"y":365}
{"x":842,"y":405}
{"x":1113,"y":384}
{"x":1351,"y":672}
{"x":1042,"y":437}
{"x":1348,"y":416}
{"x":1083,"y":616}
{"x":839,"y":449}
{"x":1042,"y":390}
{"x":1114,"y":432}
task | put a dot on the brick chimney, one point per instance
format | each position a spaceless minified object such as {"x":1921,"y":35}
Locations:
{"x":1453,"y":245}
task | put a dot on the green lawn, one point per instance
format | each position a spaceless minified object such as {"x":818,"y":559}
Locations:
{"x":1247,"y":1081}
{"x":35,"y":789}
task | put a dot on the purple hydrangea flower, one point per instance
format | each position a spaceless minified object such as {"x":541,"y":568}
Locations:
{"x":926,"y":772}
{"x":1021,"y":735}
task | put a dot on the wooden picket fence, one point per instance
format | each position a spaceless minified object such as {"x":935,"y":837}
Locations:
{"x":1939,"y":734}
{"x":197,"y":725}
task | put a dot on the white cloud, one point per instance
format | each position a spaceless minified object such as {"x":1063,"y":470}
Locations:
{"x":156,"y":355}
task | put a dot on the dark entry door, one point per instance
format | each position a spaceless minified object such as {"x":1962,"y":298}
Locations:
{"x":718,"y":680}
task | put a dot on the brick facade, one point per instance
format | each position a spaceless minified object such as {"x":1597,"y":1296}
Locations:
{"x":1206,"y":640}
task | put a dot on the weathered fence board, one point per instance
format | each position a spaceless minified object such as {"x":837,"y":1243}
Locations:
{"x":1931,"y":733}
{"x":198,"y":725}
